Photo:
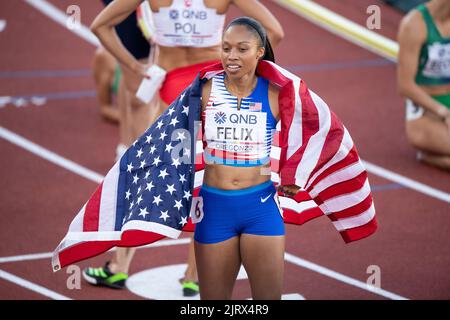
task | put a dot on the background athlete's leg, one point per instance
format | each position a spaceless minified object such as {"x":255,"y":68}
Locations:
{"x":121,"y":260}
{"x":125,"y":137}
{"x":439,"y":161}
{"x":431,"y":136}
{"x":139,"y":112}
{"x":263,"y":259}
{"x":104,"y":69}
{"x":218,"y":266}
{"x":191,"y":270}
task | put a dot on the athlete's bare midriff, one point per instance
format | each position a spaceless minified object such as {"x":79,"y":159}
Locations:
{"x":437,"y":90}
{"x":170,"y":58}
{"x":233,"y":178}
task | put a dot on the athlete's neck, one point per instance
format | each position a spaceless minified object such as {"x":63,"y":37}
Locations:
{"x":440,"y":9}
{"x":243,"y":86}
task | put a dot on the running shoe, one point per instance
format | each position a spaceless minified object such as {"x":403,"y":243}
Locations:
{"x":104,"y":277}
{"x":190,"y":288}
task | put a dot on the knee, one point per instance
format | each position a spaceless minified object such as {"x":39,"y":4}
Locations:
{"x":103,"y":59}
{"x":416,"y":134}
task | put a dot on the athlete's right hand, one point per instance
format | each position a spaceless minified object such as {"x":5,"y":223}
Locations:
{"x":140,"y":70}
{"x":289,"y":190}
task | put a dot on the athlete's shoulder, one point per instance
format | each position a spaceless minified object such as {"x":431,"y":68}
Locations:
{"x":413,"y":27}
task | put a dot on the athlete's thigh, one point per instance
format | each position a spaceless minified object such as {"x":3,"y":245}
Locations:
{"x":217,"y":266}
{"x":430,"y":134}
{"x":263,"y":259}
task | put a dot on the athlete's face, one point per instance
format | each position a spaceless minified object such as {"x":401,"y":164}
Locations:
{"x":241,"y":51}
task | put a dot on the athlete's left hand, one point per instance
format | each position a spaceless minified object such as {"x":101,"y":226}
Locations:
{"x":289,"y":190}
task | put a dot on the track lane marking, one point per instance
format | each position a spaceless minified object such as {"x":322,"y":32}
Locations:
{"x":343,"y":27}
{"x":61,"y":18}
{"x":49,"y":155}
{"x":287,"y":257}
{"x":31,"y":286}
{"x":2,"y":25}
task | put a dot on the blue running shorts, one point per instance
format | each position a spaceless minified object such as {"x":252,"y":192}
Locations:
{"x":229,"y":213}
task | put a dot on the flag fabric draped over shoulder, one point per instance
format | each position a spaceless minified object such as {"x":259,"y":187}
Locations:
{"x":148,"y":193}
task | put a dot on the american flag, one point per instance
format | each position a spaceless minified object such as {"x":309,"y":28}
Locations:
{"x":255,"y":106}
{"x":148,"y":193}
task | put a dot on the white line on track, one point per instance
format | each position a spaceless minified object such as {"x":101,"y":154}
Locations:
{"x":288,"y":257}
{"x":60,"y":17}
{"x":48,"y":255}
{"x":407,"y":182}
{"x":2,"y":25}
{"x":340,"y":277}
{"x":50,"y":156}
{"x":31,"y":286}
{"x":342,"y":27}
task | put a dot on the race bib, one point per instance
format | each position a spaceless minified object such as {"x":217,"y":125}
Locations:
{"x":232,"y":131}
{"x":191,"y":27}
{"x":197,"y":210}
{"x":438,"y":64}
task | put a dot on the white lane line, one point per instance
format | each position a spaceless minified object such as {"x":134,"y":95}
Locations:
{"x":61,"y":18}
{"x":48,"y":255}
{"x":407,"y":182}
{"x":288,"y":257}
{"x":340,"y":277}
{"x":49,"y":155}
{"x":26,"y":257}
{"x":2,"y":25}
{"x":342,"y":27}
{"x":32,"y":286}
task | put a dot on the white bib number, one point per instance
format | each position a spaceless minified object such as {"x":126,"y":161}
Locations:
{"x":241,"y":131}
{"x":197,"y":210}
{"x":438,"y":64}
